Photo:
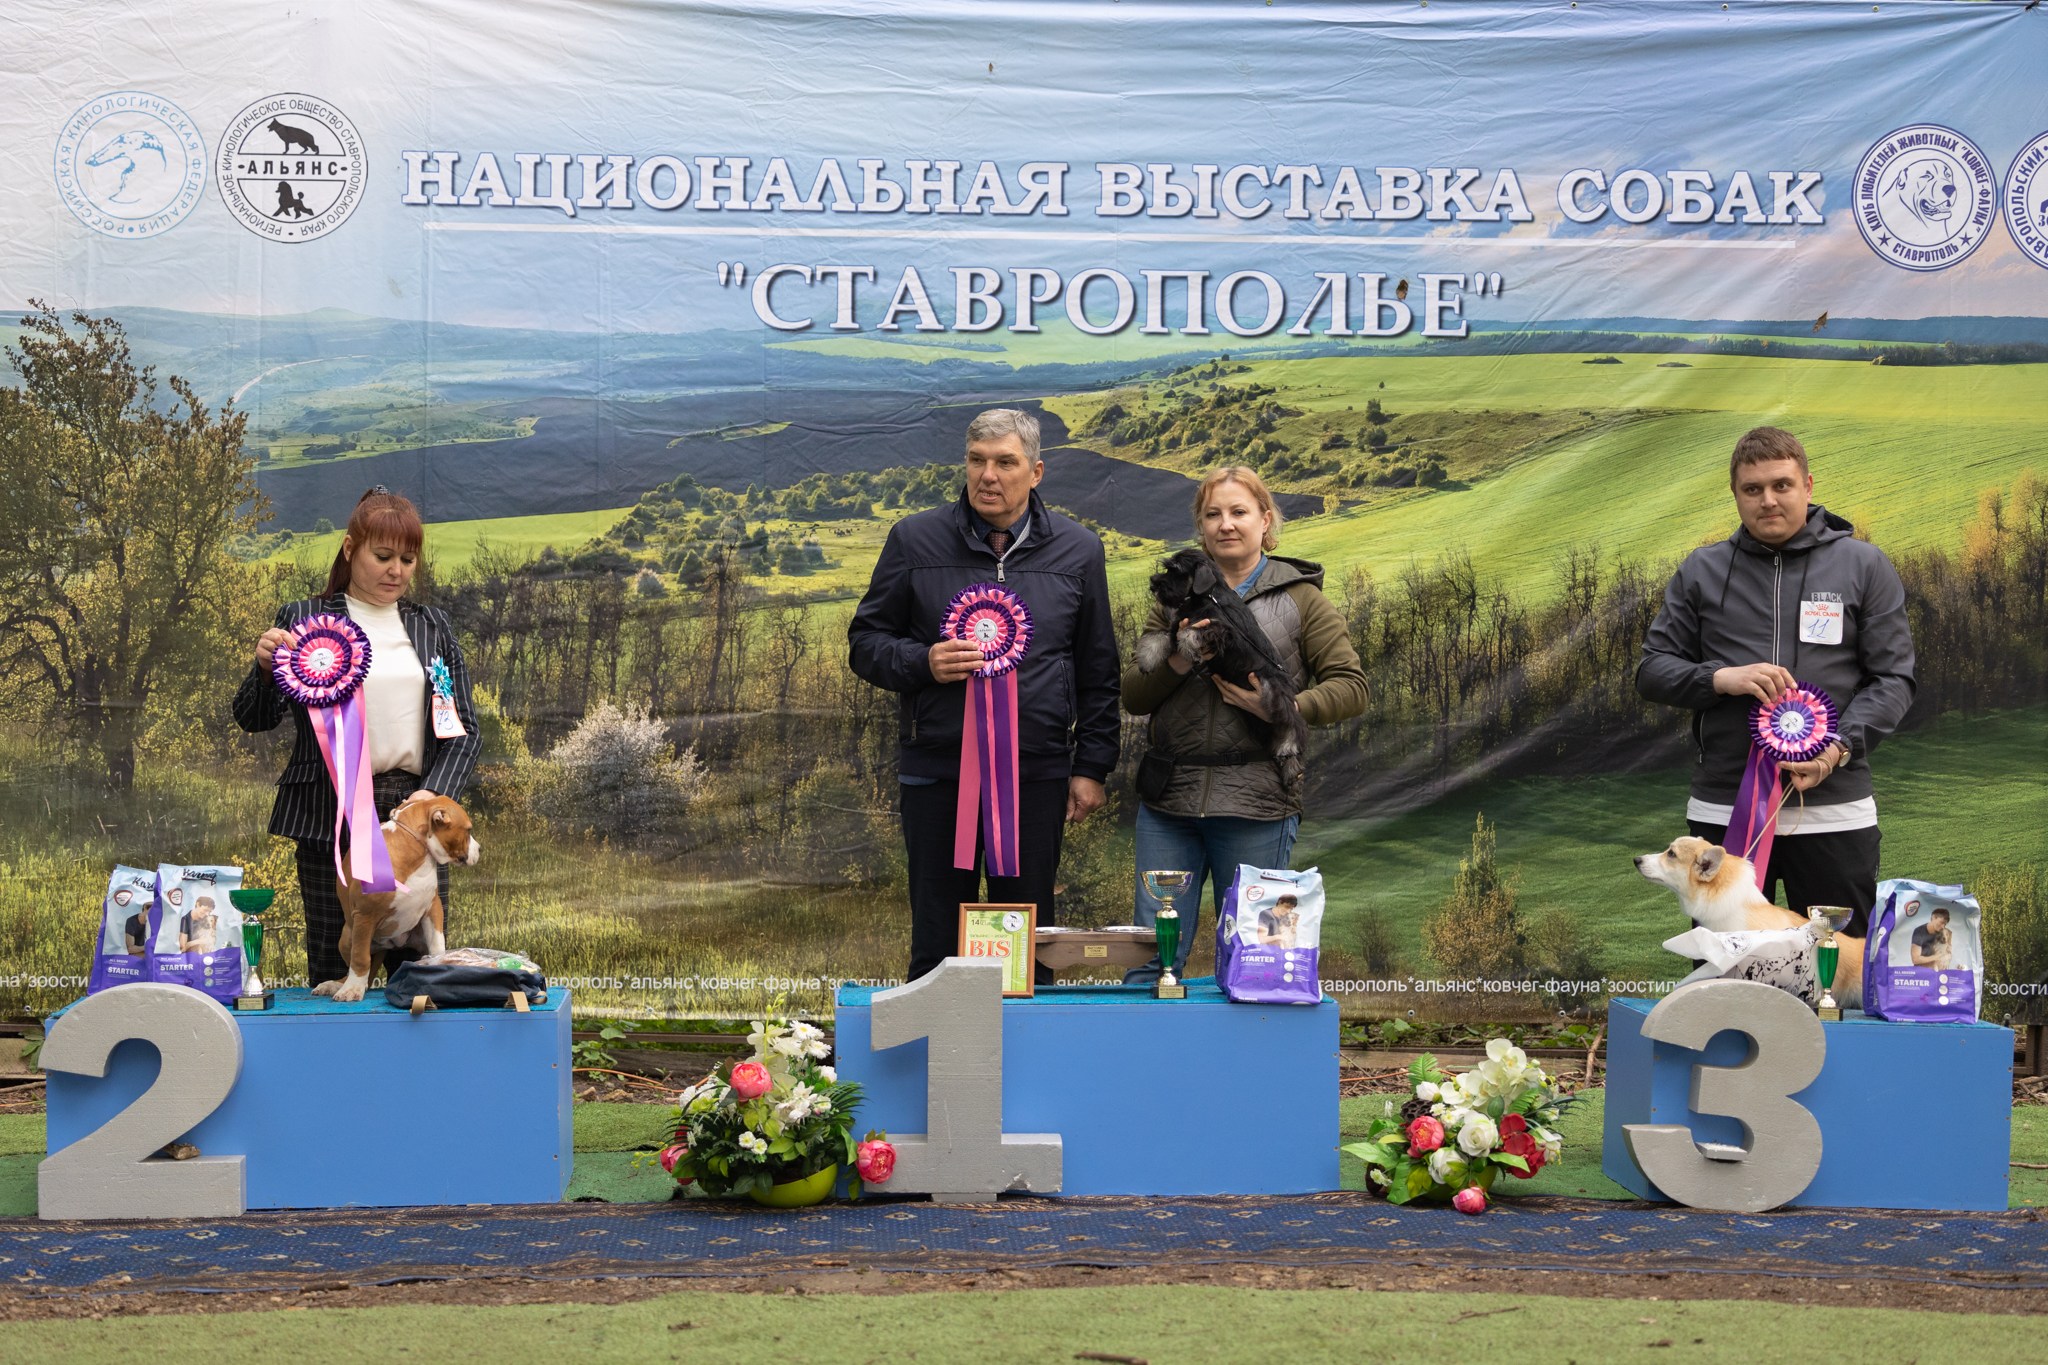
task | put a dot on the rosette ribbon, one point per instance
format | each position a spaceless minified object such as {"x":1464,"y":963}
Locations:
{"x":1795,"y":728}
{"x":322,"y":668}
{"x":996,"y":620}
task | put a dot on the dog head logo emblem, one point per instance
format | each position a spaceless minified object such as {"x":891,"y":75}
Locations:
{"x":1924,"y":197}
{"x":291,"y":168}
{"x":2025,"y":200}
{"x":130,"y":164}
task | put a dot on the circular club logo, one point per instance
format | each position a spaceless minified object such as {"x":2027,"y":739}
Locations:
{"x":130,"y":164}
{"x":2026,"y":200}
{"x":291,"y":168}
{"x":1924,"y":197}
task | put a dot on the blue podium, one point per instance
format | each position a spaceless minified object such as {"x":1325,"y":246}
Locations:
{"x":1149,"y":1097}
{"x":1912,"y":1116}
{"x":364,"y":1105}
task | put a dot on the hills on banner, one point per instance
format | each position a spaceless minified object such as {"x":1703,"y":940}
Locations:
{"x":490,"y":423}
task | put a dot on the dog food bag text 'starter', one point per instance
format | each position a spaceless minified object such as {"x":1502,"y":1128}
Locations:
{"x":1267,"y":935}
{"x":198,"y":933}
{"x":1925,"y":957}
{"x":127,"y":915}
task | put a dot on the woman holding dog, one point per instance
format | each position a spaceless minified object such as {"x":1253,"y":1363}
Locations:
{"x":1211,"y":794}
{"x":420,"y":721}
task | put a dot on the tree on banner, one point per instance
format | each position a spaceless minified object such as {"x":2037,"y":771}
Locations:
{"x":115,"y":577}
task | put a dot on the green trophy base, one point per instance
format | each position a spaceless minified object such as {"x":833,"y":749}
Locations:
{"x":256,"y":1002}
{"x":1169,"y":992}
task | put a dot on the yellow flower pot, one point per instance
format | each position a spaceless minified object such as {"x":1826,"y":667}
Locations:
{"x":799,"y":1194}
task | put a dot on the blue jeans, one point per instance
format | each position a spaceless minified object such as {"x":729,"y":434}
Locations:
{"x":1210,"y":846}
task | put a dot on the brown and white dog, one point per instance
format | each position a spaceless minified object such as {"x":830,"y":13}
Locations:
{"x":1718,"y":890}
{"x":422,"y":836}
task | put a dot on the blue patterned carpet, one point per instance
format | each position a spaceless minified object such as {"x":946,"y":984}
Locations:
{"x":706,"y":1239}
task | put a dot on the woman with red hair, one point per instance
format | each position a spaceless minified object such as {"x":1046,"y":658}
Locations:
{"x":420,"y":721}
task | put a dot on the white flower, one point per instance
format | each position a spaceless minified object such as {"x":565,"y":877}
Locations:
{"x":765,"y":1033}
{"x":820,"y":1105}
{"x":751,"y":1141}
{"x":1444,"y":1166}
{"x":1428,"y":1092}
{"x":800,"y":1104}
{"x":1550,"y":1142}
{"x":828,"y":1075}
{"x":1454,"y":1117}
{"x":787,"y":1047}
{"x":1376,"y":1175}
{"x":1548,"y":1113}
{"x":1477,"y":1135}
{"x":810,"y":1040}
{"x":1452,"y":1092}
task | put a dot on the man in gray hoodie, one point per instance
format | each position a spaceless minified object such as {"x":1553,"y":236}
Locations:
{"x":1791,"y":597}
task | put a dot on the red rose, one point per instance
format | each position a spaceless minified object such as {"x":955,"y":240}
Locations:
{"x":1425,"y":1135}
{"x":1525,"y":1147}
{"x":875,"y":1159}
{"x":1512,"y":1124}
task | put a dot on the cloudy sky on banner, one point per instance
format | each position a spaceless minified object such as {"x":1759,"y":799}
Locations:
{"x":1656,"y":85}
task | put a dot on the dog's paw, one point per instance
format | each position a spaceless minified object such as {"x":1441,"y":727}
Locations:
{"x":1152,"y":651}
{"x":351,"y":990}
{"x":326,"y":988}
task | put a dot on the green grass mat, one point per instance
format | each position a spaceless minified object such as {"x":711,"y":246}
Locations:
{"x":1161,"y":1323}
{"x":607,"y":1135}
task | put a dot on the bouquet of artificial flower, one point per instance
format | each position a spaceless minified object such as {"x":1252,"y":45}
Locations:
{"x":781,"y":1116}
{"x":1459,"y":1132}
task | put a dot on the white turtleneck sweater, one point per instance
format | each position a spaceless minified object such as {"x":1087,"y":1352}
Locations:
{"x":394,"y":692}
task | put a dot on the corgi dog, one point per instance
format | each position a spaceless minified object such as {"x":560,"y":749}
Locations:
{"x":1718,"y":890}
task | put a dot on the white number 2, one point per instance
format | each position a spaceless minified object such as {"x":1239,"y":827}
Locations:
{"x":1783,"y":1153}
{"x":108,"y":1173}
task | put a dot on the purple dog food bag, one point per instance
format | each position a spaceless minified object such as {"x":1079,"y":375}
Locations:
{"x":1924,"y":960}
{"x":126,"y":917}
{"x":198,"y":931}
{"x":1267,"y":935}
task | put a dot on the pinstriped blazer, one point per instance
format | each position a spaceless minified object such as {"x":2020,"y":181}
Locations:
{"x":304,"y":808}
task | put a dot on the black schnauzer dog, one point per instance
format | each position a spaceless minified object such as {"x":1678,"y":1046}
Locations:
{"x":1214,"y":629}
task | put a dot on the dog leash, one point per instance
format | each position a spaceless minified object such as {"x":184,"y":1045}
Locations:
{"x":1770,"y":822}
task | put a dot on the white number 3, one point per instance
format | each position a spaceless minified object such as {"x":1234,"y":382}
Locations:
{"x":1787,"y":1050}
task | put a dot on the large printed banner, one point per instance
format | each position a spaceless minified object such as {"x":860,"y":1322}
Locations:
{"x":663,"y":313}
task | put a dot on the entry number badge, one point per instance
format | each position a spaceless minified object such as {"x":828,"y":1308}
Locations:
{"x":1820,"y":623}
{"x":447,"y":721}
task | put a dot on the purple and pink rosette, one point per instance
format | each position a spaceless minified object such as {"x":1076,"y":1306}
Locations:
{"x":1796,"y":727}
{"x":997,"y":621}
{"x":322,"y":668}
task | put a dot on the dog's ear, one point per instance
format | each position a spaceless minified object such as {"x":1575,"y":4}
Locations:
{"x":440,"y":815}
{"x":1709,"y":862}
{"x":1203,"y":577}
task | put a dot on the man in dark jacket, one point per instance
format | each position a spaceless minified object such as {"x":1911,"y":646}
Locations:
{"x":1791,"y":596}
{"x":999,"y":532}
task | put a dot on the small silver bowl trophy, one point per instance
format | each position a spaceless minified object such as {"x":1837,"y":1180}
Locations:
{"x":1163,"y":887}
{"x":1828,"y":920}
{"x":252,"y":902}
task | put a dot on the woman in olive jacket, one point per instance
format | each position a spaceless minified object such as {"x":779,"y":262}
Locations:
{"x":1211,"y":796}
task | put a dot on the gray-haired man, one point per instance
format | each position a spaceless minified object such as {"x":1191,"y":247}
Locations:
{"x":998,"y":532}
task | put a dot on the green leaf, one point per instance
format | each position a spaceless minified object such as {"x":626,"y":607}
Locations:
{"x":1419,"y":1181}
{"x":1424,"y":1068}
{"x":1371,"y":1153}
{"x":1509,"y":1159}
